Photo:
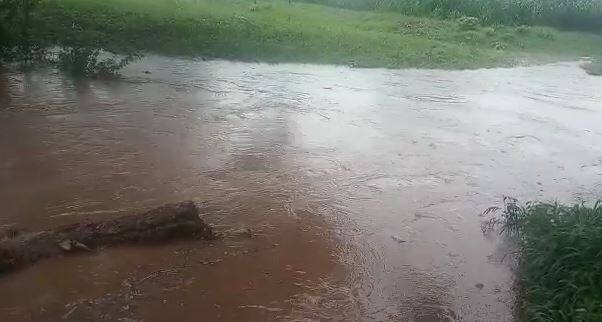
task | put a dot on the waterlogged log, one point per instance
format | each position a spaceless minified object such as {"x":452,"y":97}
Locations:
{"x":180,"y":220}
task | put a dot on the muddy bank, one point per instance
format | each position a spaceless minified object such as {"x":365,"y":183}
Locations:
{"x":362,"y":188}
{"x":161,"y":224}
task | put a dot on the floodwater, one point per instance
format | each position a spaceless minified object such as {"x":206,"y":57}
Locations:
{"x":341,"y":194}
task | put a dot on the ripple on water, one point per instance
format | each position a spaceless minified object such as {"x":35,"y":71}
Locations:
{"x":361,"y":189}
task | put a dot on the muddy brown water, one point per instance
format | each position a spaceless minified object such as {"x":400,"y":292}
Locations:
{"x":342,"y":194}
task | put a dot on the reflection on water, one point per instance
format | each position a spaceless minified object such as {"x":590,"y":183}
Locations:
{"x":343,"y":194}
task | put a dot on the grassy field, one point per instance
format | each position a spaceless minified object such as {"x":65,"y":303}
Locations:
{"x":565,"y":14}
{"x":561,"y":259}
{"x":275,"y":31}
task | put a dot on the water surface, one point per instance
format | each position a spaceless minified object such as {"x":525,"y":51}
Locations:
{"x":343,"y":194}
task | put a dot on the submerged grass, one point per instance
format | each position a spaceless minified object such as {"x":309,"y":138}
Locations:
{"x":561,"y":258}
{"x":275,"y":31}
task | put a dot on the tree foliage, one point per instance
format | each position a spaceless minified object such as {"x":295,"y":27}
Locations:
{"x":18,"y":44}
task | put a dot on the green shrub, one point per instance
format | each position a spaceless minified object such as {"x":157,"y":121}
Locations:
{"x":83,"y":61}
{"x":16,"y":43}
{"x":560,"y":250}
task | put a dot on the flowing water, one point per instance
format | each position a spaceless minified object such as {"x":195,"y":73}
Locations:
{"x":342,"y":194}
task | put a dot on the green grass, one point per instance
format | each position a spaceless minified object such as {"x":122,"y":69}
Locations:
{"x":273,"y":31}
{"x":561,"y":259}
{"x":567,"y":14}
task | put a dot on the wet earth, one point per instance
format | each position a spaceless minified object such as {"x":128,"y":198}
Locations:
{"x":341,"y":194}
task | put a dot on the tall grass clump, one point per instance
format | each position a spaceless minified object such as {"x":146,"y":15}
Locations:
{"x":560,"y":251}
{"x":85,"y":61}
{"x":585,"y":15}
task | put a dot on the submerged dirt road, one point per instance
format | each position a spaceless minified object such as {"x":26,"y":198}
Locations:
{"x":342,"y":194}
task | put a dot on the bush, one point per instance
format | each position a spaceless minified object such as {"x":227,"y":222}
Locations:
{"x":17,"y":45}
{"x":560,"y":251}
{"x":82,"y":61}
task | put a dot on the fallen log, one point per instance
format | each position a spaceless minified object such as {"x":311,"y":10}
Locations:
{"x":161,"y":224}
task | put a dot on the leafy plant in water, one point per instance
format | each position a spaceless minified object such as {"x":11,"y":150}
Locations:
{"x":510,"y":220}
{"x":85,"y":61}
{"x":560,"y":251}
